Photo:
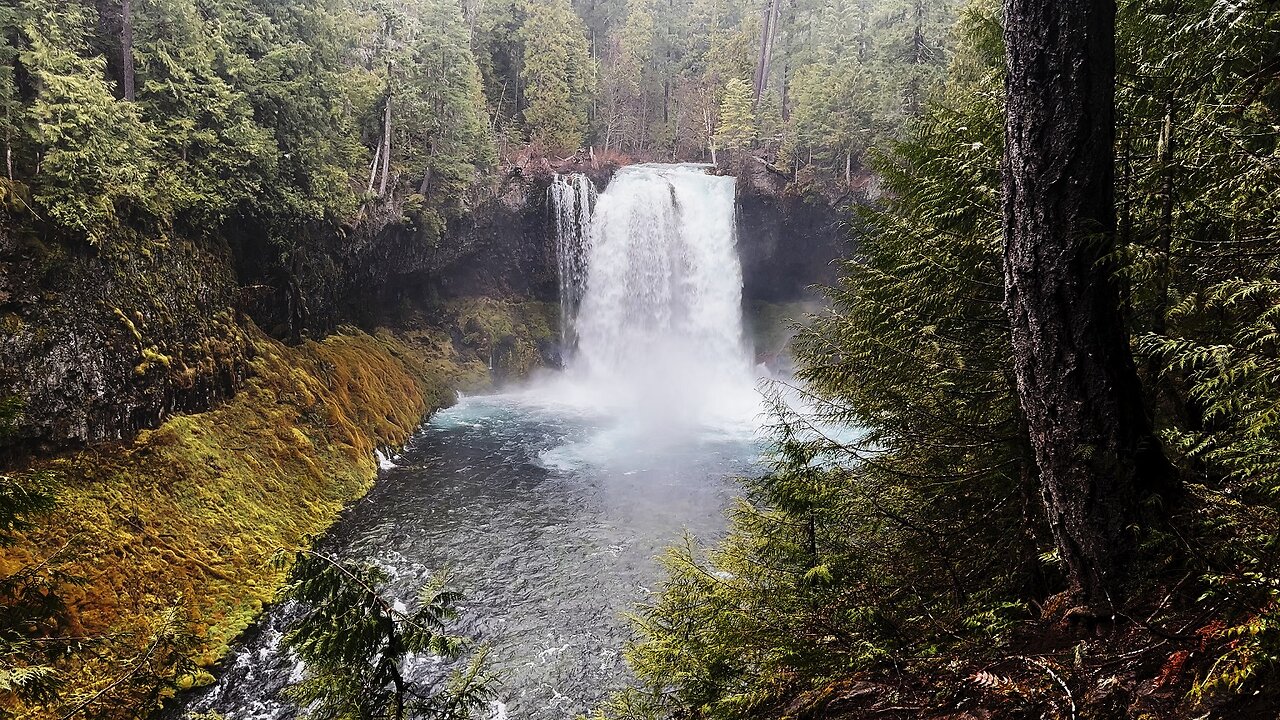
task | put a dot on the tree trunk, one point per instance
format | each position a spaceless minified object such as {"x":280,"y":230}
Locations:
{"x":1165,"y":160}
{"x":1094,"y":446}
{"x":914,"y":91}
{"x":1124,"y":233}
{"x":400,"y":695}
{"x":863,"y":40}
{"x":917,"y":36}
{"x":126,"y":50}
{"x":791,"y":51}
{"x":377,"y":161}
{"x":666,"y":80}
{"x":666,"y":100}
{"x":386,"y":147}
{"x":711,"y":134}
{"x":786,"y":92}
{"x":767,"y":30}
{"x":427,"y":174}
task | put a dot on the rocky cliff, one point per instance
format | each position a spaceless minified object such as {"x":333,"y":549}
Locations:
{"x":788,"y":240}
{"x":98,"y":343}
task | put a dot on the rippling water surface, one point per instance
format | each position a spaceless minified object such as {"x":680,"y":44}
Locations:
{"x":550,"y":519}
{"x":551,"y":504}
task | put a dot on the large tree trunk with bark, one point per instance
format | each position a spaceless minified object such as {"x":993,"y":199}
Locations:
{"x":127,"y":75}
{"x":1097,"y":456}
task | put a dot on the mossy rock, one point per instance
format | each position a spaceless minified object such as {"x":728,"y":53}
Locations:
{"x":191,"y":512}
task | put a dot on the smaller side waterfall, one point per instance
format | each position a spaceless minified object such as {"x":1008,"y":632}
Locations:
{"x":572,"y":199}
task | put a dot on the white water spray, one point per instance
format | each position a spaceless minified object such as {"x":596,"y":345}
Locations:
{"x":659,"y":326}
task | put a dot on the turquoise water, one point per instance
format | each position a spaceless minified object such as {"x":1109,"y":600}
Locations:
{"x":550,"y":518}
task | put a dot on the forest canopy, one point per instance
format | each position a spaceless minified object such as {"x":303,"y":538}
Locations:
{"x":151,"y":113}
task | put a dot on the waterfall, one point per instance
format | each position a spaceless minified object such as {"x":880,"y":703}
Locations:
{"x":659,"y":326}
{"x":572,"y":199}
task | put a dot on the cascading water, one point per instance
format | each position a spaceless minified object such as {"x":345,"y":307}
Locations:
{"x":551,"y":502}
{"x":572,"y":199}
{"x":659,"y":326}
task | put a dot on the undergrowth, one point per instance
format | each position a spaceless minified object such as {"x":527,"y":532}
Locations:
{"x":906,"y":570}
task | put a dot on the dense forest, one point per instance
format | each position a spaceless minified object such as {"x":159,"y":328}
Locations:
{"x":1057,"y":337}
{"x":287,"y":114}
{"x":1004,"y":535}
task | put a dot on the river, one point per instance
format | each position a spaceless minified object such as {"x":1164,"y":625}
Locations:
{"x":552,"y":503}
{"x":549,"y":521}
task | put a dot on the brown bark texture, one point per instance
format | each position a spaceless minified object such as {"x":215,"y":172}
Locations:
{"x":1098,"y":459}
{"x":127,"y":81}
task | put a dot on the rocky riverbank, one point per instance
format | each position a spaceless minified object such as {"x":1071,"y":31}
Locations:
{"x":174,"y":531}
{"x":199,"y":401}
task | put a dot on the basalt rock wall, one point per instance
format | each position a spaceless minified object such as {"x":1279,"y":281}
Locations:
{"x":789,"y":239}
{"x":99,"y":343}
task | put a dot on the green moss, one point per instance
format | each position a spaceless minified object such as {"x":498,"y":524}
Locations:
{"x":10,"y":323}
{"x":191,"y":511}
{"x":200,"y":678}
{"x":151,"y":356}
{"x":505,"y":334}
{"x":133,"y":329}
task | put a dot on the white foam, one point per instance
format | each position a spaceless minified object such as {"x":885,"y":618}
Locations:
{"x":385,"y":461}
{"x":657,"y":355}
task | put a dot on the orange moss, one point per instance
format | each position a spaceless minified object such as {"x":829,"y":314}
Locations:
{"x":191,"y":512}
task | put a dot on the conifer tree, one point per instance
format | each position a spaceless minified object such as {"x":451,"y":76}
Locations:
{"x":217,"y":158}
{"x":96,"y":154}
{"x":635,"y":66}
{"x":11,"y":107}
{"x":356,"y":643}
{"x":442,"y":137}
{"x":737,"y":127}
{"x":558,"y":75}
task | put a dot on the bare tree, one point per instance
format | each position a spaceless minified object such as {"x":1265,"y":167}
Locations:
{"x":768,"y":31}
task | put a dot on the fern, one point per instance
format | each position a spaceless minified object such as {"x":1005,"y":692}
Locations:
{"x":356,"y":642}
{"x":1200,"y":186}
